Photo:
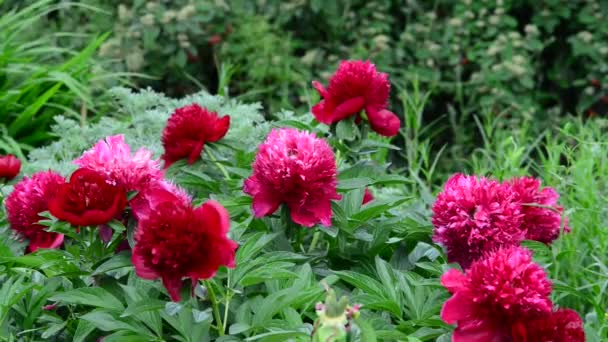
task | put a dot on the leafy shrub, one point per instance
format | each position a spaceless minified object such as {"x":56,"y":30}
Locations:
{"x":39,"y":80}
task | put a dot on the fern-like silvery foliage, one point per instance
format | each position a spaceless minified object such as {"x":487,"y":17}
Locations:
{"x":143,"y":116}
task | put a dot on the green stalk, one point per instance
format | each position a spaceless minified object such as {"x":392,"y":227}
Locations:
{"x":214,"y":305}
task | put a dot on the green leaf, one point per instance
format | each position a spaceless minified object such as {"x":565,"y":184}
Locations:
{"x":106,"y":321}
{"x":347,"y":130}
{"x":93,"y":296}
{"x":145,"y":305}
{"x":238,"y":328}
{"x":367,"y":331}
{"x":353,"y":183}
{"x":83,"y":330}
{"x":278,"y":336}
{"x":117,"y":261}
{"x":53,"y":329}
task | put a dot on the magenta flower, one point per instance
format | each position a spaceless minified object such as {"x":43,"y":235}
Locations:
{"x":563,"y":325}
{"x":160,"y":191}
{"x":112,"y":158}
{"x":357,"y":86}
{"x":367,"y":196}
{"x":495,"y":295}
{"x":29,"y":198}
{"x":542,"y":216}
{"x":475,"y":215}
{"x":175,"y":240}
{"x":298,"y":169}
{"x":188,"y":130}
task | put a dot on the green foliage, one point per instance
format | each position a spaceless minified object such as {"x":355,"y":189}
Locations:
{"x":39,"y":80}
{"x":481,"y":87}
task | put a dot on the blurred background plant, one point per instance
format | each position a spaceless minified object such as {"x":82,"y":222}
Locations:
{"x":42,"y":75}
{"x":528,"y":62}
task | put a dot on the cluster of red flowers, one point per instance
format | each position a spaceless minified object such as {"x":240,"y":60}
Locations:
{"x":173,"y":239}
{"x":473,"y":215}
{"x":503,"y":295}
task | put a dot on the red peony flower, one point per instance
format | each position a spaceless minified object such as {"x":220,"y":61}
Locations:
{"x":542,"y":216}
{"x":146,"y":201}
{"x":357,"y":86}
{"x":563,"y":325}
{"x":29,"y":198}
{"x":89,"y":199}
{"x":497,"y":292}
{"x":174,"y":241}
{"x":298,"y":169}
{"x":215,"y":39}
{"x":112,"y":158}
{"x":9,"y":167}
{"x":187,"y":131}
{"x":476,"y":215}
{"x":367,"y":196}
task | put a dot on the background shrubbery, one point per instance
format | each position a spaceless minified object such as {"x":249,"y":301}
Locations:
{"x":500,"y":88}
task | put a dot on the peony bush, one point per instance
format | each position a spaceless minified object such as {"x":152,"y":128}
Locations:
{"x":225,"y":225}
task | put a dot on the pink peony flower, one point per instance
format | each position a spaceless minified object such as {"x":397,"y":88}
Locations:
{"x":495,"y":294}
{"x":475,"y":215}
{"x":112,"y":157}
{"x":542,"y":216}
{"x":29,"y":198}
{"x":357,"y":86}
{"x":563,"y":325}
{"x":175,"y":241}
{"x":298,"y":169}
{"x":188,"y":130}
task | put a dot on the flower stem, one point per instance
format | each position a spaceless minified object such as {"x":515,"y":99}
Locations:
{"x":315,"y":239}
{"x":229,"y":294}
{"x":216,"y":310}
{"x":217,"y":163}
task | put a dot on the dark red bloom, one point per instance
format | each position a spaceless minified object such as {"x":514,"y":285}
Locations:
{"x":215,"y":39}
{"x":495,"y":294}
{"x":298,"y":169}
{"x":9,"y":167}
{"x":475,"y":215}
{"x":367,"y":196}
{"x":192,"y":57}
{"x":563,"y":325}
{"x":357,"y":86}
{"x":542,"y":216}
{"x":89,"y":199}
{"x":175,"y":241}
{"x":188,"y":130}
{"x":29,"y":198}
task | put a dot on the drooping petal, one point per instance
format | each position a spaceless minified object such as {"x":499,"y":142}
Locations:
{"x":173,"y":284}
{"x":455,"y":309}
{"x":383,"y":122}
{"x":453,"y":280}
{"x":348,"y":108}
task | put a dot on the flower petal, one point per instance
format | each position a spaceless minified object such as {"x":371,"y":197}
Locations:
{"x":383,"y":122}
